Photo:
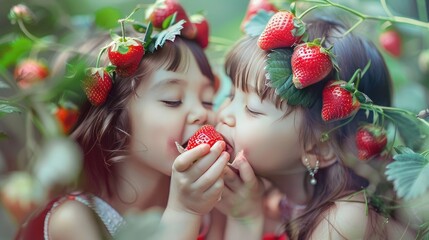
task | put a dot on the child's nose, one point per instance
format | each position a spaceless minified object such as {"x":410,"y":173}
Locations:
{"x":198,"y":115}
{"x":225,"y":114}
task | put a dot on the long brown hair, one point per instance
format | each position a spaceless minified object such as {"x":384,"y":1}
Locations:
{"x":247,"y":61}
{"x":103,"y":132}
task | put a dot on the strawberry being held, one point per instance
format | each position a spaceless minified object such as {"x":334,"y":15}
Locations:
{"x":206,"y":134}
{"x":97,"y":86}
{"x":337,"y":102}
{"x":310,"y":64}
{"x":253,"y":8}
{"x":370,"y":141}
{"x":126,"y":55}
{"x":161,"y":9}
{"x":282,"y":30}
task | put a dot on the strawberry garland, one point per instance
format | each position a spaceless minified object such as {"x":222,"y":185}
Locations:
{"x":125,"y":53}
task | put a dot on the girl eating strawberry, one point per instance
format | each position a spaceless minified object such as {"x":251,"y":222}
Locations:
{"x":158,"y":92}
{"x":292,"y":119}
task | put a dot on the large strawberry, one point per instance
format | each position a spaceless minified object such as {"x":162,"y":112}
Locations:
{"x":126,"y":55}
{"x":370,"y":141}
{"x":281,"y":31}
{"x":391,"y":42}
{"x":253,"y":8}
{"x":206,"y":134}
{"x":202,"y":26}
{"x":338,"y":103}
{"x":161,"y":9}
{"x":310,"y":64}
{"x":97,"y":86}
{"x":30,"y":71}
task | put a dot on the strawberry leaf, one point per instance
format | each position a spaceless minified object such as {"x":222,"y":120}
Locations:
{"x":140,"y":27}
{"x":122,"y":49}
{"x":256,"y":25}
{"x":279,"y":75}
{"x":409,"y":173}
{"x":168,"y":34}
{"x":169,"y":21}
{"x":410,"y":128}
{"x":6,"y":108}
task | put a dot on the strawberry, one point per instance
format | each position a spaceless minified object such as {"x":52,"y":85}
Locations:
{"x":391,"y":42}
{"x":310,"y":64}
{"x":202,"y":26}
{"x":30,"y":71}
{"x":97,"y":86}
{"x":281,"y":31}
{"x":338,"y":103}
{"x":126,"y":55}
{"x":370,"y":141}
{"x":21,"y":12}
{"x":253,"y":8}
{"x":206,"y":134}
{"x":67,"y":117}
{"x":161,"y":9}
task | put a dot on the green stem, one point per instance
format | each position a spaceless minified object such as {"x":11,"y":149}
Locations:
{"x":353,"y":27}
{"x":26,"y":32}
{"x":122,"y":29}
{"x":97,"y":64}
{"x":311,"y":9}
{"x":386,"y":8}
{"x":220,"y":40}
{"x":325,"y":135}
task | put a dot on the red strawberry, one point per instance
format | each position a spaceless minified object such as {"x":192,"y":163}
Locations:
{"x":126,"y":55}
{"x":338,"y":103}
{"x":97,"y":86}
{"x":370,"y":141}
{"x":30,"y":71}
{"x":280,"y":31}
{"x":391,"y":42}
{"x":206,"y":134}
{"x":310,"y":64}
{"x":253,"y":8}
{"x":202,"y":26}
{"x":67,"y":117}
{"x":162,"y":9}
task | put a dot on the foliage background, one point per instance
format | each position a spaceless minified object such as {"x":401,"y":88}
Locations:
{"x":69,"y":20}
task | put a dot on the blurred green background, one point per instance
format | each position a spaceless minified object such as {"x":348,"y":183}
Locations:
{"x":71,"y":20}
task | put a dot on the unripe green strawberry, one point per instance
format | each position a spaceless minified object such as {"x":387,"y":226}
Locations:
{"x":310,"y":64}
{"x":97,"y":86}
{"x":338,"y":103}
{"x":370,"y":141}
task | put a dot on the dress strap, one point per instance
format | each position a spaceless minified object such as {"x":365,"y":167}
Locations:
{"x":112,"y":220}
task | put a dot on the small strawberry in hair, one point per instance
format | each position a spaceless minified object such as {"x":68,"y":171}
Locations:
{"x":338,"y":103}
{"x":310,"y":64}
{"x":125,"y":54}
{"x":97,"y":85}
{"x":370,"y":141}
{"x":162,"y":9}
{"x":282,"y":30}
{"x":253,"y":8}
{"x":202,"y":26}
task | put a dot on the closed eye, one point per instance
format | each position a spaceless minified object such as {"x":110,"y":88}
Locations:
{"x":172,"y":103}
{"x":252,"y":112}
{"x":208,"y":105}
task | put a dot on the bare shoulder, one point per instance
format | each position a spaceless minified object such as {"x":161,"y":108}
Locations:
{"x":347,"y":219}
{"x":73,"y":220}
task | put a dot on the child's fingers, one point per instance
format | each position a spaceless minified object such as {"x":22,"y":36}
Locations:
{"x":207,"y":160}
{"x":215,"y":191}
{"x":209,"y":177}
{"x":232,"y":179}
{"x":246,"y":172}
{"x":186,"y":159}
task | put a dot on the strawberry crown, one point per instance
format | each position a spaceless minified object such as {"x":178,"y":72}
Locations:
{"x":125,"y":53}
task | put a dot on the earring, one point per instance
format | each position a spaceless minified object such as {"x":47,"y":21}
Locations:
{"x":312,"y":172}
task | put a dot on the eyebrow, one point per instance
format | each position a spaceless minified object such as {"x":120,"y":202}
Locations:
{"x":167,"y":82}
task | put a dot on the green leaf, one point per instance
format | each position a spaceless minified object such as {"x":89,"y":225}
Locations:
{"x":412,"y":131}
{"x":107,"y":17}
{"x":256,"y":25}
{"x":139,"y":27}
{"x":3,"y":135}
{"x":122,"y":49}
{"x":168,"y":34}
{"x":169,"y":21}
{"x":410,"y":174}
{"x":148,"y":36}
{"x":280,"y":76}
{"x":7,"y":108}
{"x":4,"y":84}
{"x":12,"y":51}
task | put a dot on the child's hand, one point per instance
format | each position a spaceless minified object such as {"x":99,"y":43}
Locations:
{"x":196,"y":180}
{"x":243,"y":194}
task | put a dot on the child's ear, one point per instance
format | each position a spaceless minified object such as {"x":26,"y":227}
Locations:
{"x":320,"y":151}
